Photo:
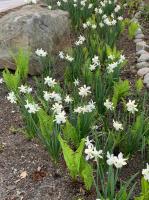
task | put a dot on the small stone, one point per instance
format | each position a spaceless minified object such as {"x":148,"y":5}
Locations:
{"x":137,"y":40}
{"x":137,"y":15}
{"x":142,"y":65}
{"x":146,"y":79}
{"x":139,"y":36}
{"x":141,"y":52}
{"x":144,"y":57}
{"x":142,"y":72}
{"x":139,"y":31}
{"x":141,"y":46}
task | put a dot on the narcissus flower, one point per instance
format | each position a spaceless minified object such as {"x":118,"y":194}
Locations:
{"x":145,"y":173}
{"x":49,"y":81}
{"x":60,"y":118}
{"x":131,"y":106}
{"x":11,"y":97}
{"x":41,"y":53}
{"x":118,"y":126}
{"x":32,"y":107}
{"x":84,"y":91}
{"x":109,"y":105}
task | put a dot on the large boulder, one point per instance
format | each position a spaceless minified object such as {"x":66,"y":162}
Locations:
{"x":31,"y":27}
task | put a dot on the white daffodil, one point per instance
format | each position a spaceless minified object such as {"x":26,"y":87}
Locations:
{"x":61,"y":54}
{"x":57,"y":108}
{"x":11,"y":97}
{"x":145,"y":173}
{"x":84,"y":91}
{"x":118,"y":126}
{"x":58,"y":3}
{"x":46,"y":95}
{"x":56,"y":97}
{"x":49,"y":81}
{"x":120,"y":161}
{"x":69,"y":58}
{"x":41,"y":53}
{"x":131,"y":106}
{"x":68,"y":99}
{"x":60,"y":118}
{"x":109,"y":105}
{"x":32,"y":107}
{"x":50,"y":7}
{"x":76,"y":82}
{"x":110,"y":159}
{"x":1,"y":80}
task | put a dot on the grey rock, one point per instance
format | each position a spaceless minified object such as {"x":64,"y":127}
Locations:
{"x":139,"y":31}
{"x":146,"y":79}
{"x":141,"y":46}
{"x":144,"y":57}
{"x":141,"y":52}
{"x":138,"y":40}
{"x":142,"y":65}
{"x":31,"y":27}
{"x":139,"y":36}
{"x":137,"y":15}
{"x":142,"y":72}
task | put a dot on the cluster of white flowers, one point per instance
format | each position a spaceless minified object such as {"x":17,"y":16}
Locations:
{"x":49,"y":81}
{"x":145,"y":173}
{"x":117,"y":161}
{"x":68,"y":99}
{"x":67,"y":57}
{"x":118,"y":126}
{"x":32,"y":107}
{"x":131,"y":106}
{"x":88,"y":24}
{"x":76,"y":82}
{"x":30,"y":1}
{"x":111,"y":67}
{"x":25,"y":89}
{"x":11,"y":97}
{"x":41,"y":53}
{"x":86,"y":108}
{"x":109,"y":105}
{"x":95,"y":63}
{"x":80,"y":41}
{"x":84,"y":91}
{"x":56,"y":97}
{"x":91,"y":151}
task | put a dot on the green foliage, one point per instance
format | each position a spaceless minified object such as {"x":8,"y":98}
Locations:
{"x":121,"y":90}
{"x":48,"y":134}
{"x":139,"y":85}
{"x":12,"y":81}
{"x":145,"y":190}
{"x":132,"y":29}
{"x":145,"y":12}
{"x":76,"y":163}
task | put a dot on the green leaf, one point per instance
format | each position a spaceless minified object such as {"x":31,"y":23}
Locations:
{"x":132,"y":29}
{"x":121,"y":89}
{"x":139,"y":85}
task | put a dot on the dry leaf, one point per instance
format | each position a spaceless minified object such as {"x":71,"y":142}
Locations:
{"x":23,"y":174}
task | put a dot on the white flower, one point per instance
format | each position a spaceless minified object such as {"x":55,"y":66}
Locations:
{"x":97,"y":154}
{"x":69,"y":58}
{"x":78,"y":109}
{"x":50,"y":7}
{"x":60,"y":118}
{"x":118,"y":126}
{"x":24,"y":89}
{"x":1,"y":80}
{"x":122,"y":59}
{"x":95,"y":127}
{"x":89,"y":152}
{"x":11,"y":97}
{"x":49,"y":81}
{"x":90,"y":5}
{"x":84,"y":91}
{"x":76,"y":82}
{"x":145,"y":173}
{"x":117,"y":161}
{"x":111,"y":67}
{"x":68,"y":99}
{"x":61,"y":54}
{"x":41,"y":53}
{"x":46,"y":95}
{"x":110,"y":159}
{"x":58,"y":3}
{"x":120,"y":161}
{"x":56,"y":97}
{"x":92,"y":67}
{"x":117,"y":8}
{"x":32,"y":107}
{"x":108,"y":104}
{"x":80,"y":41}
{"x":131,"y":106}
{"x":57,"y":108}
{"x":91,"y":106}
{"x":88,"y":141}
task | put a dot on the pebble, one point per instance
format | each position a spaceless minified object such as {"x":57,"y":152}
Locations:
{"x":141,"y":52}
{"x":142,"y":65}
{"x":139,"y":31}
{"x":137,"y":40}
{"x":140,"y":36}
{"x":146,"y":79}
{"x":141,"y":46}
{"x":142,"y":72}
{"x":144,"y":57}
